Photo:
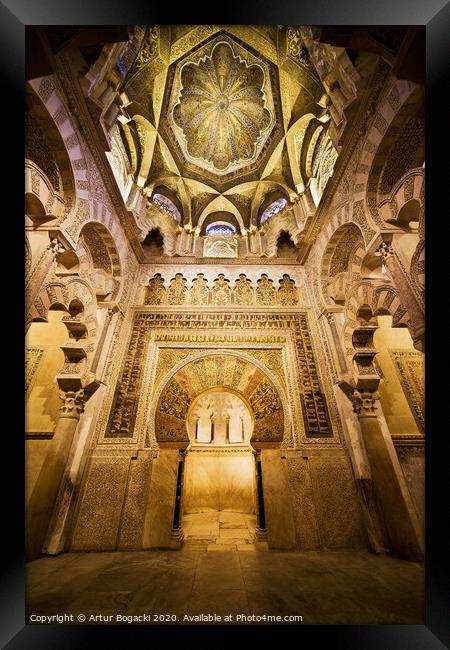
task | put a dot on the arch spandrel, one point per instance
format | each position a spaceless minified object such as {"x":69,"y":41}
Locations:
{"x":244,"y":377}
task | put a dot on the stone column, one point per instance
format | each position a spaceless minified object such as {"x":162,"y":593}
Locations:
{"x":176,"y":526}
{"x":399,"y":520}
{"x":95,"y":361}
{"x":43,"y":498}
{"x":227,"y":429}
{"x":408,"y":297}
{"x":196,"y":428}
{"x":48,"y":257}
{"x":212,"y":430}
{"x":261,"y":530}
{"x":361,"y":471}
{"x":337,"y":342}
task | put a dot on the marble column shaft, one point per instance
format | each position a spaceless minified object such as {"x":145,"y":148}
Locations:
{"x":401,"y":527}
{"x":43,"y":498}
{"x":337,"y":343}
{"x":99,"y":348}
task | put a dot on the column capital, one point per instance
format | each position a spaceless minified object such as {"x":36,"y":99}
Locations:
{"x":72,"y":403}
{"x":56,"y":248}
{"x":364,"y":402}
{"x":385,"y":250}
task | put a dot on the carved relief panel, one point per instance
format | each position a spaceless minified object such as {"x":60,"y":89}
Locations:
{"x":199,"y":291}
{"x":265,"y":291}
{"x":176,"y":294}
{"x":221,"y":292}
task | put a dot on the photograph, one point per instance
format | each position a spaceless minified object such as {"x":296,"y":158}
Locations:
{"x":225,"y":325}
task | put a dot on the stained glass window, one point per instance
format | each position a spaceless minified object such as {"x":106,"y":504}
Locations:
{"x":220,"y":229}
{"x":272,"y":209}
{"x":167,"y":206}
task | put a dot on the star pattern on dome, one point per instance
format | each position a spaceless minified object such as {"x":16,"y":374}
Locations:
{"x":222,"y":109}
{"x":221,"y":116}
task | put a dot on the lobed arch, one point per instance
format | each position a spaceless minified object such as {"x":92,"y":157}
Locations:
{"x":347,"y":213}
{"x":249,"y":361}
{"x":365,"y":296}
{"x":341,"y":261}
{"x":103,"y":254}
{"x":401,"y":101}
{"x":50,"y":96}
{"x":42,"y":203}
{"x":276,"y":225}
{"x":406,"y":202}
{"x":47,"y":154}
{"x":417,"y":268}
{"x":77,"y":298}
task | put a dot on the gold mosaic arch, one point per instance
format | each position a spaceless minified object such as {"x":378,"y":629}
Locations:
{"x":228,"y":372}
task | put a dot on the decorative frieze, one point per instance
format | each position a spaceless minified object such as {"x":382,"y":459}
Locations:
{"x":222,"y":293}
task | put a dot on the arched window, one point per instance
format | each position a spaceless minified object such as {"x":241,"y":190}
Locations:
{"x":167,"y":206}
{"x":220,"y":229}
{"x":272,"y":209}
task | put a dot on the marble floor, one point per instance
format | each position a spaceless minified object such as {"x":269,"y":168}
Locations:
{"x":323,"y":587}
{"x":221,"y":531}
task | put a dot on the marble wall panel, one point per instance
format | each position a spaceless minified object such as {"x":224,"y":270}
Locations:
{"x":277,"y":501}
{"x":412,"y":461}
{"x":219,"y":482}
{"x":132,"y":526}
{"x":301,"y":493}
{"x":336,"y":502}
{"x":98,"y":521}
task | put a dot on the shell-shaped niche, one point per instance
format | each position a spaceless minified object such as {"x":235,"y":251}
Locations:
{"x":222,"y":108}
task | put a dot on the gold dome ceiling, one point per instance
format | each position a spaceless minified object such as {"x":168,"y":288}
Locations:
{"x":221,"y":114}
{"x":220,"y":117}
{"x":222,"y":109}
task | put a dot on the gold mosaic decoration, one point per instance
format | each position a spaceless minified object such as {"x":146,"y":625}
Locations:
{"x":156,"y":292}
{"x":199,"y":291}
{"x":287,"y":293}
{"x":176,"y":295}
{"x":243,"y":291}
{"x":410,"y":370}
{"x":208,"y":372}
{"x":147,"y":52}
{"x":222,"y":110}
{"x":168,"y":358}
{"x":265,"y":291}
{"x":222,"y":371}
{"x":221,"y":292}
{"x":295,"y":47}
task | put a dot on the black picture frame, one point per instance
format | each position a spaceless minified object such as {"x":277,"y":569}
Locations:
{"x":14,"y":15}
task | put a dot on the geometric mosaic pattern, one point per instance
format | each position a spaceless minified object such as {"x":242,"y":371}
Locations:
{"x":124,"y":406}
{"x":33,"y":356}
{"x":410,"y":370}
{"x":219,"y":371}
